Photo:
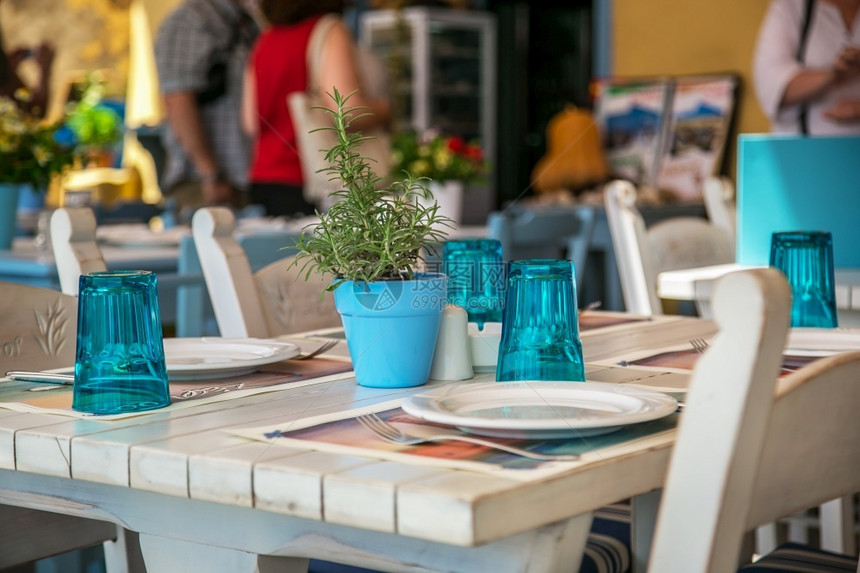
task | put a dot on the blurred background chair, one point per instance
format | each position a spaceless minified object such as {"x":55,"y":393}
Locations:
{"x":544,"y":231}
{"x":753,"y":447}
{"x":641,"y":254}
{"x":273,"y":301}
{"x":73,"y":238}
{"x":41,"y":324}
{"x":719,"y":196}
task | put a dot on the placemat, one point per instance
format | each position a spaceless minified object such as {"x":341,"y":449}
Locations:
{"x":51,"y":399}
{"x":686,"y":359}
{"x":590,"y":320}
{"x":341,"y":433}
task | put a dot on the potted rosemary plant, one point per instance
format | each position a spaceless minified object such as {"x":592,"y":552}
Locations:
{"x":371,"y":240}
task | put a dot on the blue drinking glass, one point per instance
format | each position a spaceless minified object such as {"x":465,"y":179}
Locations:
{"x":119,"y":361}
{"x":476,"y":278}
{"x":806,"y":259}
{"x":540,"y":328}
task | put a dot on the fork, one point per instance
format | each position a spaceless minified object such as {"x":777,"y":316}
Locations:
{"x":394,"y":435}
{"x":327,"y":345}
{"x":700,"y":345}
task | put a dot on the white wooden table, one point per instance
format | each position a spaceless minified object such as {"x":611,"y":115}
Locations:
{"x":697,"y":284}
{"x":206,"y":500}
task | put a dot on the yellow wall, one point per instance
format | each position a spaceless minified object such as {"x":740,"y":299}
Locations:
{"x":666,"y":37}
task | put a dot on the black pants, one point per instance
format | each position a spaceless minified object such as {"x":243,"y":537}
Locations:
{"x":281,"y":200}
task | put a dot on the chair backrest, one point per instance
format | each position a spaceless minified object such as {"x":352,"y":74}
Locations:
{"x":544,"y":231}
{"x":753,"y":447}
{"x":719,"y":195}
{"x":73,"y":237}
{"x":37,"y":328}
{"x":641,"y":254}
{"x":276,"y":300}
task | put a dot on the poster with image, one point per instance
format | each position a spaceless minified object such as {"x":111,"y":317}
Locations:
{"x":667,"y":133}
{"x":702,"y":109}
{"x":633,"y":119}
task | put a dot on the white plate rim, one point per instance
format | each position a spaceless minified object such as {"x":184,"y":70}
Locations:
{"x":425,"y":405}
{"x":278,"y":350}
{"x":821,"y":341}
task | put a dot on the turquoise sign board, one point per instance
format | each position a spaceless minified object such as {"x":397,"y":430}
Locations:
{"x":792,"y":183}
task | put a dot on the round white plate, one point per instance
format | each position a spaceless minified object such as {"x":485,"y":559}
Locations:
{"x":541,"y":410}
{"x":213,"y":357}
{"x":821,"y":341}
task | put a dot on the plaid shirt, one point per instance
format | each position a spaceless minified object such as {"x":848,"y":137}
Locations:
{"x":188,"y":43}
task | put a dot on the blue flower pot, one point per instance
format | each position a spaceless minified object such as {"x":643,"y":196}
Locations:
{"x":391,"y":328}
{"x":9,"y":194}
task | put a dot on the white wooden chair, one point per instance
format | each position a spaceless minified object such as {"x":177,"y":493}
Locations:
{"x":38,"y":327}
{"x":641,"y":254}
{"x":273,"y":301}
{"x":73,"y":238}
{"x":544,"y":232}
{"x":753,"y":447}
{"x":719,"y":195}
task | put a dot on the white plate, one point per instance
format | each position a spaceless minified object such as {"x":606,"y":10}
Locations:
{"x":821,"y":341}
{"x":541,"y":410}
{"x":213,"y":357}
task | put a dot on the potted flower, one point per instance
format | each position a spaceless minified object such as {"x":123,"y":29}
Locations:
{"x":447,"y":161}
{"x":32,"y":151}
{"x":97,"y":127}
{"x":371,"y":240}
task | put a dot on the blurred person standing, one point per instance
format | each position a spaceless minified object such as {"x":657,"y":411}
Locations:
{"x":278,"y":67}
{"x":200,"y":53}
{"x":806,"y":66}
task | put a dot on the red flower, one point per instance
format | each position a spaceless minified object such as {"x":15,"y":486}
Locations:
{"x":474,"y":152}
{"x":456,"y":144}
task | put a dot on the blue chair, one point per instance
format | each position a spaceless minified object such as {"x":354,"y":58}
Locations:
{"x":544,"y":231}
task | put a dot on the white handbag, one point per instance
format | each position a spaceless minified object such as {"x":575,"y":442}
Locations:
{"x":313,"y":142}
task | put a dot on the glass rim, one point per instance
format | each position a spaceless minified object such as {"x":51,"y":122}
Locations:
{"x":118,"y":273}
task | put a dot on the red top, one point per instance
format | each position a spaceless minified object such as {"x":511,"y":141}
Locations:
{"x":279,"y":59}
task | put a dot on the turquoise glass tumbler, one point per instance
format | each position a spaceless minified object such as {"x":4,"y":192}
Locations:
{"x":540,"y":328}
{"x":806,"y":259}
{"x":476,"y":278}
{"x":119,"y":361}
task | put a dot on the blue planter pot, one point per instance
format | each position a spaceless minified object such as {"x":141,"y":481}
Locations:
{"x":391,"y":328}
{"x":30,"y":200}
{"x":9,"y":195}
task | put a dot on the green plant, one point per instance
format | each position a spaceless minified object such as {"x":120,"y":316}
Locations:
{"x":31,"y":149}
{"x":95,"y":125}
{"x":436,"y":156}
{"x":371,"y":232}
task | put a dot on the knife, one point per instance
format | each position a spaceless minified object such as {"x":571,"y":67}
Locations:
{"x":46,"y":377}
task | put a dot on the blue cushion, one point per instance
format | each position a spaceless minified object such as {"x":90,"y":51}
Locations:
{"x":608,"y":546}
{"x":798,"y":557}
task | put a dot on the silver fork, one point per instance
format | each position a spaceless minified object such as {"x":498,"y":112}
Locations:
{"x":700,"y":345}
{"x":327,"y":345}
{"x":394,"y":435}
